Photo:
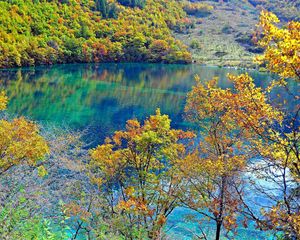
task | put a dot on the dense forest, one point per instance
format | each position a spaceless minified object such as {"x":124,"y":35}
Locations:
{"x":234,"y":164}
{"x":49,"y":32}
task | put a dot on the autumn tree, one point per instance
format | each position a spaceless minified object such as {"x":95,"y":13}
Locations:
{"x":229,"y":120}
{"x":136,"y":168}
{"x":270,"y":133}
{"x":20,"y":141}
{"x":20,"y":144}
{"x":281,"y":46}
{"x":278,"y":147}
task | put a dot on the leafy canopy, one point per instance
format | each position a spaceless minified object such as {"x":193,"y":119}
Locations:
{"x":281,"y":45}
{"x":142,"y":159}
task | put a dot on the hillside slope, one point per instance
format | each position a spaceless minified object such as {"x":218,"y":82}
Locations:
{"x":35,"y":32}
{"x":223,"y":36}
{"x":38,"y":32}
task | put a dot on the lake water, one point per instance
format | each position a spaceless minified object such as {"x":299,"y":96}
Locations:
{"x":102,"y":97}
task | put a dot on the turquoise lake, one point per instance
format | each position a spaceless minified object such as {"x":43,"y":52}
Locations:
{"x":101,"y":97}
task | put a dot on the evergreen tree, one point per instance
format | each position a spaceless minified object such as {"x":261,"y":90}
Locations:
{"x":101,"y":6}
{"x":133,"y":3}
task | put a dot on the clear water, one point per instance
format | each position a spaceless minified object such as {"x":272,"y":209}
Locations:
{"x":102,"y":97}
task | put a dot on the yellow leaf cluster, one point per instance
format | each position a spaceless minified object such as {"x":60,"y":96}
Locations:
{"x":246,"y":106}
{"x":3,"y":100}
{"x":145,"y":146}
{"x":282,"y":46}
{"x":20,"y":143}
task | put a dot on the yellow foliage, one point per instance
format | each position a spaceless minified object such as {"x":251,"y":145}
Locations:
{"x":282,"y":46}
{"x":229,"y":119}
{"x":245,"y":107}
{"x":142,"y":160}
{"x":42,"y":172}
{"x":3,"y":101}
{"x":156,"y":131}
{"x":20,"y":143}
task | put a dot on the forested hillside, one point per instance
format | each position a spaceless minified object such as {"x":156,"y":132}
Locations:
{"x":216,"y":32}
{"x":35,"y":32}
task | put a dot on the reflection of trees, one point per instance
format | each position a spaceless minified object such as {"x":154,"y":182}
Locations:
{"x":104,"y":95}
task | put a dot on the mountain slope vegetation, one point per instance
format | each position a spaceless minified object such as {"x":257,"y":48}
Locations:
{"x":36,"y":32}
{"x":40,"y":32}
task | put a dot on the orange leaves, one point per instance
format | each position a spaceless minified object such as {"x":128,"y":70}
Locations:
{"x":278,"y":219}
{"x":60,"y":20}
{"x":100,"y":50}
{"x":185,"y":134}
{"x":161,"y":220}
{"x":72,"y":209}
{"x":133,"y":204}
{"x":133,"y":124}
{"x":117,"y":138}
{"x":136,"y":206}
{"x":230,"y":223}
{"x":20,"y":142}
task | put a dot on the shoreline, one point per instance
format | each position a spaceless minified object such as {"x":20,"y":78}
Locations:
{"x":194,"y":62}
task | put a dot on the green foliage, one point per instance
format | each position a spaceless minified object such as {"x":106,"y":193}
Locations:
{"x":195,"y":44}
{"x":18,"y":221}
{"x":35,"y":33}
{"x":133,"y":3}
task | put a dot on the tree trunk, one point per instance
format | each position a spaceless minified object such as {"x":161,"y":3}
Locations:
{"x":218,"y":230}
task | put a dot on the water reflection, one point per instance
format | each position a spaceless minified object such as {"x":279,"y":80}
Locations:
{"x":104,"y":96}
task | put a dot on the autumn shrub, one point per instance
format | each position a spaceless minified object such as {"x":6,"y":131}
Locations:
{"x":198,"y":9}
